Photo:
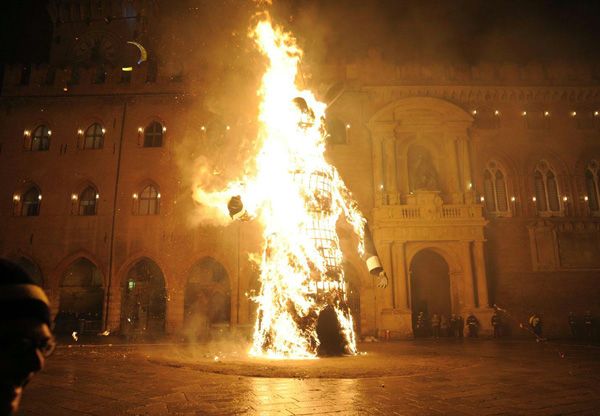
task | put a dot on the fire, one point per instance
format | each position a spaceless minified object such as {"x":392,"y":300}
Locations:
{"x":298,"y":197}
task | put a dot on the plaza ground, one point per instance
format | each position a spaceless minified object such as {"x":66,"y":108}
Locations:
{"x":428,"y":377}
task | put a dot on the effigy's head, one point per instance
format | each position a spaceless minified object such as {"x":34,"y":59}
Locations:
{"x":307,"y":115}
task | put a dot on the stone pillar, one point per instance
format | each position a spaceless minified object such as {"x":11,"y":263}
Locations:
{"x":482,"y":287}
{"x":113,"y":320}
{"x":456,"y":167}
{"x":174,"y":312}
{"x":400,"y":276}
{"x":386,"y":295}
{"x":377,"y":169}
{"x":391,"y":187}
{"x":466,"y":157}
{"x":469,"y":291}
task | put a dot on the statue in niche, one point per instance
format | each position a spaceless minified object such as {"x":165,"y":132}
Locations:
{"x":422,"y":174}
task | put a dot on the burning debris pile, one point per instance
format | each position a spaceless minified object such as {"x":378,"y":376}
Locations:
{"x":298,"y":197}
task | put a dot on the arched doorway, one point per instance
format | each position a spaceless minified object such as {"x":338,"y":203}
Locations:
{"x":31,"y":269}
{"x":144,"y":300}
{"x":81,"y":298}
{"x":353,"y":294}
{"x":207,"y":301}
{"x":430,"y":285}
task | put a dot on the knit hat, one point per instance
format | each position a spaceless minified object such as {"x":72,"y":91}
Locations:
{"x":20,"y":296}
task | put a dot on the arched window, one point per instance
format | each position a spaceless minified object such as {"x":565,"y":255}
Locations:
{"x":94,"y":137}
{"x":149,"y":201}
{"x":592,"y":185}
{"x":546,"y":188}
{"x":336,"y":131}
{"x":32,"y":199}
{"x":153,"y":134}
{"x":494,"y":187}
{"x":40,"y":140}
{"x":87,"y":201}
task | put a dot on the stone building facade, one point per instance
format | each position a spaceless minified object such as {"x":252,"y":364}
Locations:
{"x":481,"y":185}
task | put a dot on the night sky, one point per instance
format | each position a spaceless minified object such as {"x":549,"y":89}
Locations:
{"x":463,"y":30}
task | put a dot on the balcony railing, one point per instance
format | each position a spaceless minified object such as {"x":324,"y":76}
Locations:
{"x":444,"y":212}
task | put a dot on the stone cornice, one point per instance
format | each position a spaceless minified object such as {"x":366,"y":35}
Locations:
{"x":482,"y":94}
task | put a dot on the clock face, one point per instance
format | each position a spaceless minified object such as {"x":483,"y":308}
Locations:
{"x":94,"y":48}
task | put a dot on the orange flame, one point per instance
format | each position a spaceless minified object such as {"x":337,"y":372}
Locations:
{"x":298,"y":197}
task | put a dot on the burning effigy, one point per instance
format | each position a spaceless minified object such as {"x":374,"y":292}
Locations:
{"x":298,"y":198}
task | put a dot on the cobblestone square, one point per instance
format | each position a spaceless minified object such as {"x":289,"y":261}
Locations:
{"x":446,"y":377}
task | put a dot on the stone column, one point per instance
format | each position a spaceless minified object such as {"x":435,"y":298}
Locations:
{"x":400,"y":276}
{"x":469,"y":291}
{"x":386,"y":295}
{"x":113,"y":320}
{"x":466,"y":157}
{"x":377,"y":169}
{"x":391,"y":187}
{"x":482,"y":287}
{"x":174,"y":312}
{"x":456,"y":165}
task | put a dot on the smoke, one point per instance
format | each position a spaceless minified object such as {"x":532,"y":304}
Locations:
{"x":208,"y":41}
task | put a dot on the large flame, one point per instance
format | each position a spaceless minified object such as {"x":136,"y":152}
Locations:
{"x":298,"y":197}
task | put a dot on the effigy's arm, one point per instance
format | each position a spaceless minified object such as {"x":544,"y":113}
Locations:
{"x":366,"y":247}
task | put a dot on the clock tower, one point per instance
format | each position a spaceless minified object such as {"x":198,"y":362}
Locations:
{"x":94,"y":33}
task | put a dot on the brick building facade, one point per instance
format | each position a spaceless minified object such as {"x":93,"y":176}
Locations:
{"x":481,"y":185}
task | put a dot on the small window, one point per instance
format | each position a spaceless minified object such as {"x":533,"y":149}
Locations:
{"x":32,"y":199}
{"x":40,"y":140}
{"x":149,"y":202}
{"x":94,"y":137}
{"x":546,"y":189}
{"x":593,"y":186}
{"x":87,"y":201}
{"x":153,"y":135}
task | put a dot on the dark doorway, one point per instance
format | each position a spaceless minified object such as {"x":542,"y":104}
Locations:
{"x":207,"y":300}
{"x":430,"y":285}
{"x":81,"y":299}
{"x":144,"y":300}
{"x":329,"y":333}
